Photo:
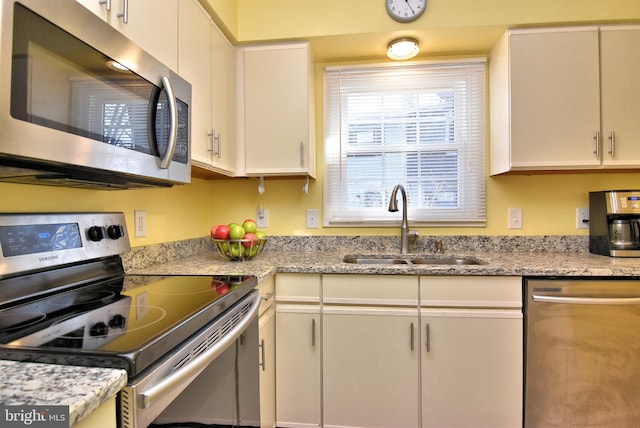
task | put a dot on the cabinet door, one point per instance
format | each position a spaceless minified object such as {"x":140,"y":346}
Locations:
{"x":194,"y":64}
{"x":298,"y":366}
{"x":555,"y":105}
{"x":96,"y":7}
{"x":223,"y":98}
{"x":620,"y":68}
{"x":370,"y":367}
{"x":151,"y":24}
{"x":267,"y":324}
{"x":471,"y":368}
{"x":277,"y":105}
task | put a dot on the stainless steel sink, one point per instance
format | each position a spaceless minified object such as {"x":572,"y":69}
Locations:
{"x":446,"y":261}
{"x":375,"y":260}
{"x":394,"y":260}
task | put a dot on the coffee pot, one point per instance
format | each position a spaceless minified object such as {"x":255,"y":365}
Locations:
{"x":614,"y":223}
{"x":624,"y":233}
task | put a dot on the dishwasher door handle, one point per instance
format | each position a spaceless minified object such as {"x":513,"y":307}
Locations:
{"x":587,"y":300}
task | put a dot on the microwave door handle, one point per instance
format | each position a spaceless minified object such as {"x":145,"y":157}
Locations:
{"x":587,"y":300}
{"x":173,"y":126}
{"x":159,"y":390}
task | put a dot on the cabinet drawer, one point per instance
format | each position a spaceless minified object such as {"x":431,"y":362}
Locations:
{"x":386,"y":290}
{"x":293,"y":287}
{"x":471,"y":291}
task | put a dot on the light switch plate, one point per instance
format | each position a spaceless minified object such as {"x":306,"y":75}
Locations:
{"x":313,"y":221}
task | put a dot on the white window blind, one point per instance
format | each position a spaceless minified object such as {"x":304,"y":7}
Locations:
{"x":421,"y":125}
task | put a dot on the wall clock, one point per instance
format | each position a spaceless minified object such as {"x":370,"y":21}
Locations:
{"x":405,"y":10}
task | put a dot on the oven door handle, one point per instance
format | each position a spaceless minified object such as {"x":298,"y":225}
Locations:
{"x":192,"y":369}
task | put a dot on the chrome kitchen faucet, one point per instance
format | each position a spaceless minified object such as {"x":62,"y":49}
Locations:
{"x":404,"y":228}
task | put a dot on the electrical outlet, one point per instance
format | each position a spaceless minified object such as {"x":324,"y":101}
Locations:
{"x":515,"y":218}
{"x":262,"y":218}
{"x":312,"y":219}
{"x":141,"y":305}
{"x":140,"y":223}
{"x":582,"y":218}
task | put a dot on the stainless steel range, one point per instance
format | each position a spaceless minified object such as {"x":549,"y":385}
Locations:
{"x":66,"y":299}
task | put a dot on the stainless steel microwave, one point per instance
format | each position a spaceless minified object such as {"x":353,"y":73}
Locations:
{"x":81,"y":105}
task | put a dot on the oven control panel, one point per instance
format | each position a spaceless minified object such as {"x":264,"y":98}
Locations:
{"x":31,"y":241}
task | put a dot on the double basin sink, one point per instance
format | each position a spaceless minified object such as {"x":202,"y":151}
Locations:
{"x":415,"y":260}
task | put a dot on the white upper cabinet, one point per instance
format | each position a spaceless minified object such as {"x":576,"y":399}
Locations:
{"x":620,"y":69}
{"x":207,"y":60}
{"x":276,"y":97}
{"x":557,"y":94}
{"x":151,"y":24}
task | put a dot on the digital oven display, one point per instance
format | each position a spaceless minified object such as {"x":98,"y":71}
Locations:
{"x":39,"y":238}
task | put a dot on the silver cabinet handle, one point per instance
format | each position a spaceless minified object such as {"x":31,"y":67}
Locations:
{"x":427,"y":335}
{"x":125,"y":12}
{"x":596,"y":138}
{"x":313,"y":332}
{"x":106,"y":3}
{"x":215,"y":138}
{"x":587,"y":300}
{"x":612,"y":147}
{"x":411,"y":327}
{"x":173,"y":126}
{"x":301,"y":153}
{"x":262,"y":352}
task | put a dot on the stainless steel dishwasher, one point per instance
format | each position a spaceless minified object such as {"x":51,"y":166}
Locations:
{"x":582,"y":353}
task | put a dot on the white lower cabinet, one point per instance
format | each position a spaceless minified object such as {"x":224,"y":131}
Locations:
{"x":370,"y":366}
{"x":398,"y":351}
{"x":298,"y":350}
{"x":267,"y":323}
{"x":471,"y":347}
{"x":370,"y":351}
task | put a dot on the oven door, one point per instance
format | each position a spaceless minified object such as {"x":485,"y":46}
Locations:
{"x":75,"y":93}
{"x":211,"y":379}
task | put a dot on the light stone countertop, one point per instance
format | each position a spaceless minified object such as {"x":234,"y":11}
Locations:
{"x":83,"y":389}
{"x":498,"y":263}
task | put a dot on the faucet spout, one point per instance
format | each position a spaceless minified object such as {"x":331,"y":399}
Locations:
{"x":393,"y":207}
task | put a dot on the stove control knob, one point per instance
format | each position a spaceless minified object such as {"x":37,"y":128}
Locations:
{"x":99,"y":330}
{"x":115,"y":231}
{"x":96,"y":233}
{"x":118,"y":321}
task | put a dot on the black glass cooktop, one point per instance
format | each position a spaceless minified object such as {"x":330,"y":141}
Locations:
{"x":129,"y":330}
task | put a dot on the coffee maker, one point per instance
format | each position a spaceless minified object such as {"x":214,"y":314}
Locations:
{"x":614,"y":223}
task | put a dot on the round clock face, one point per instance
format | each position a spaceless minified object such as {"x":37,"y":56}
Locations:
{"x":405,"y":10}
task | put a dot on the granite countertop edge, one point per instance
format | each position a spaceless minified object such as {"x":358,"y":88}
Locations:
{"x":326,"y":262}
{"x":83,"y":389}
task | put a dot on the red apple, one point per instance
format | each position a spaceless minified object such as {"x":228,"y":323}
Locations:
{"x":222,"y":232}
{"x":249,"y":238}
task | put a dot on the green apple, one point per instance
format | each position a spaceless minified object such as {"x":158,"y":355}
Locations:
{"x":236,"y":232}
{"x":249,"y":225}
{"x":260,"y":234}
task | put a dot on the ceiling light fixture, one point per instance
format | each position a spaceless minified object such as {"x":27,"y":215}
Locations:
{"x":403,"y":48}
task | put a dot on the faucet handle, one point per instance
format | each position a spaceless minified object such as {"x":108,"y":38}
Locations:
{"x":439,"y":247}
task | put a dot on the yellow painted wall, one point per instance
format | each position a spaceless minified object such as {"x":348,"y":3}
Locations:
{"x":188,"y":211}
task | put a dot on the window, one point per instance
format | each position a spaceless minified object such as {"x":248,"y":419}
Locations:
{"x":420,"y":125}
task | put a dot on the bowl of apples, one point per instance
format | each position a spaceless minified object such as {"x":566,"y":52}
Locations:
{"x":238,"y":242}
